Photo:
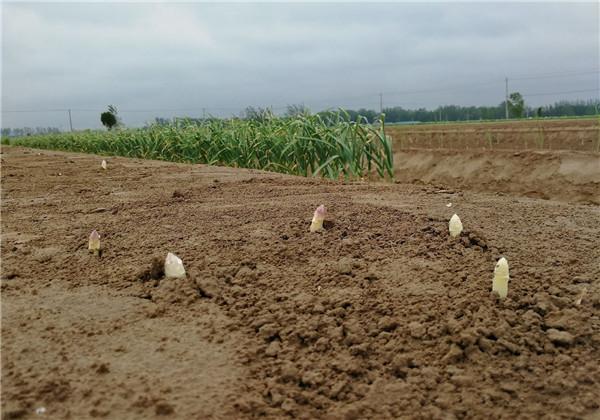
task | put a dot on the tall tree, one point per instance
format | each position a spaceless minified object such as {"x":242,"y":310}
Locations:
{"x":516,"y":105}
{"x":109,"y":118}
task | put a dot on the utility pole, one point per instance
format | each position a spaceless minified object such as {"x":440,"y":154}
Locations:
{"x":70,"y":121}
{"x":506,"y":99}
{"x":203,"y":113}
{"x":381,"y":103}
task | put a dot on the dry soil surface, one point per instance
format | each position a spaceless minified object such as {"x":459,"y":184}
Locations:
{"x":381,"y":315}
{"x":549,"y":159}
{"x":581,"y":134}
{"x":557,"y":175}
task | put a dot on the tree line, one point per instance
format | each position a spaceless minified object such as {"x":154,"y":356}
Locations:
{"x":516,"y":109}
{"x":28,"y":131}
{"x":470,"y":113}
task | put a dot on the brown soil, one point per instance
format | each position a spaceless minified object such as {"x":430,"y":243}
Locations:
{"x":570,"y":134}
{"x":550,"y":159}
{"x":557,"y":175}
{"x":382,"y":315}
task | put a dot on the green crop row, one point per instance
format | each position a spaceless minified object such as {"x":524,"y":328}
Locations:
{"x":333,"y":147}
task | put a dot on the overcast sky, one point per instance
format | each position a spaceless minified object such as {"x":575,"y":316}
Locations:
{"x":176,"y":59}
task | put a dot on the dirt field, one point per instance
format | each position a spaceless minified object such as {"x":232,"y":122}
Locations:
{"x":569,"y":134}
{"x":549,"y":159}
{"x":382,"y":315}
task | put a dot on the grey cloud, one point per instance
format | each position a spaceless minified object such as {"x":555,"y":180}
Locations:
{"x":224,"y":57}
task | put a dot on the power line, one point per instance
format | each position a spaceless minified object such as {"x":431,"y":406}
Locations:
{"x":555,"y":75}
{"x":340,"y":100}
{"x":121,"y":110}
{"x":36,"y":110}
{"x":202,"y":109}
{"x":459,"y":87}
{"x":443,"y":89}
{"x":490,"y":82}
{"x":207,"y":110}
{"x":561,"y":93}
{"x":345,"y":99}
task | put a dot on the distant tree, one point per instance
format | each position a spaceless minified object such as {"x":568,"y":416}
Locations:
{"x":109,"y":118}
{"x":162,"y":121}
{"x":516,"y":105}
{"x":257,"y":114}
{"x":539,"y":112}
{"x":5,"y":135}
{"x":368,"y":114}
{"x":296,"y":110}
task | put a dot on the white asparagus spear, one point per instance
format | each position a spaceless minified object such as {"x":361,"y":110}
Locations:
{"x":500,"y":282}
{"x":174,"y":266}
{"x":318,"y":218}
{"x":94,"y":242}
{"x":455,"y":226}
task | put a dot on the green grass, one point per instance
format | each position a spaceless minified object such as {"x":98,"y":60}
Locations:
{"x":307,"y":145}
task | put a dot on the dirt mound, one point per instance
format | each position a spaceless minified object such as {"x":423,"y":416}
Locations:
{"x":565,"y":176}
{"x":381,"y":315}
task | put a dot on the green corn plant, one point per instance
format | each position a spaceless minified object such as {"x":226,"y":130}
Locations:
{"x":334,"y":147}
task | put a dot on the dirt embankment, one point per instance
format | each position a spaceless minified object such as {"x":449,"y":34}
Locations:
{"x":382,"y":315}
{"x":565,"y":176}
{"x":550,"y":159}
